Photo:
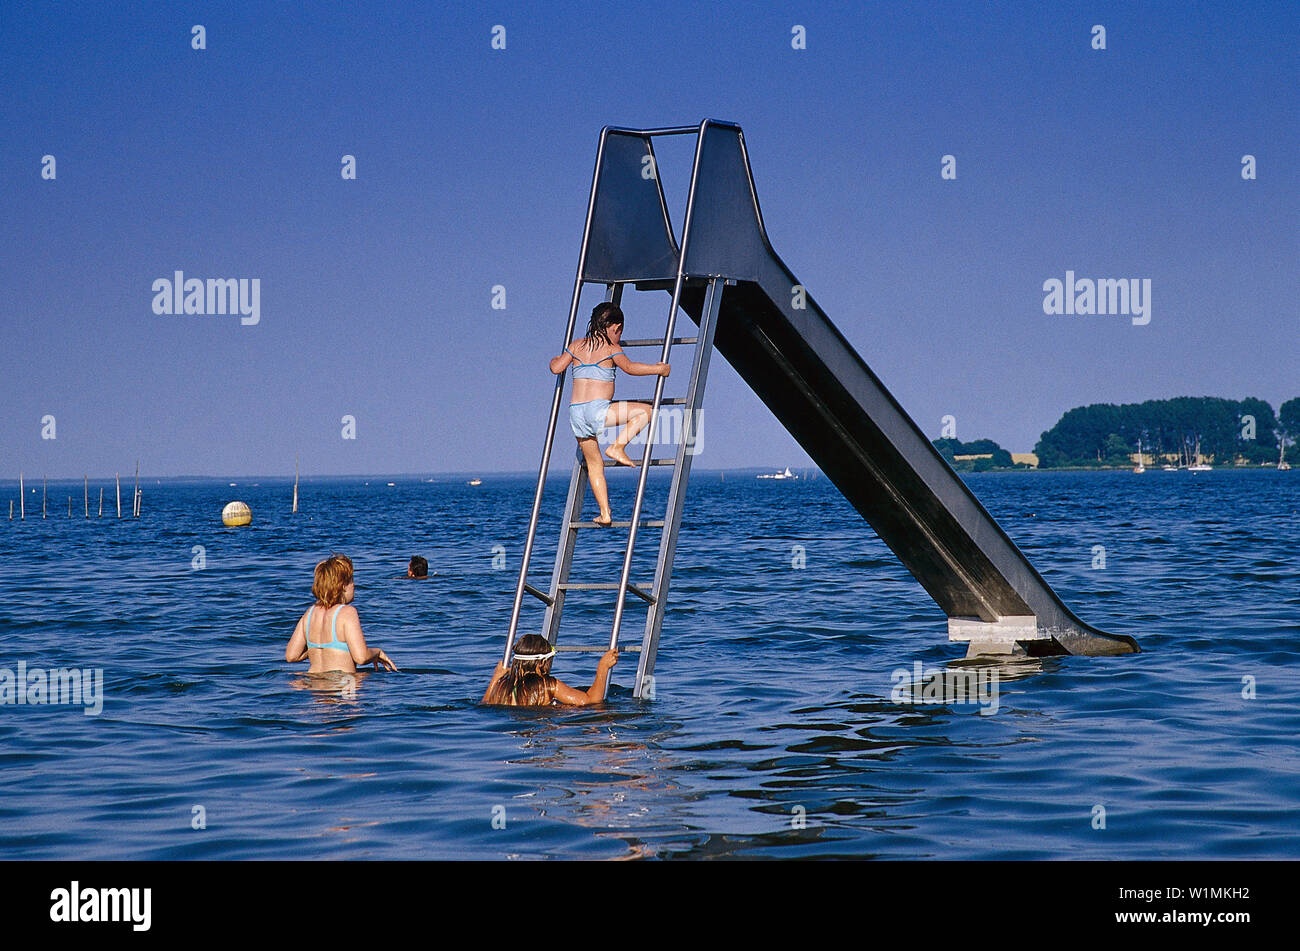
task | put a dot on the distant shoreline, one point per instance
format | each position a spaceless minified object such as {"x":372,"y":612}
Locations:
{"x":1267,"y":467}
{"x":34,"y":484}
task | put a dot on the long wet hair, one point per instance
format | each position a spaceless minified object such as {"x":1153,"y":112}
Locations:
{"x":528,"y":683}
{"x":603,"y":316}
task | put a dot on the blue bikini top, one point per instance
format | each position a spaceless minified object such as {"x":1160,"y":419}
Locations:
{"x":333,"y":643}
{"x":593,"y":371}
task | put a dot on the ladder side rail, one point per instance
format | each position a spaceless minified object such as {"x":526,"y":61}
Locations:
{"x":555,"y":409}
{"x":659,"y":392}
{"x":677,"y":490}
{"x":564,"y":552}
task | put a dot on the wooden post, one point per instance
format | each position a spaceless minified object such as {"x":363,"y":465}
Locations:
{"x":135,"y":495}
{"x":119,"y":494}
{"x":295,"y":485}
{"x":85,"y":488}
{"x":11,"y":510}
{"x":69,"y":506}
{"x":101,"y":501}
{"x":22,"y":500}
{"x":43,"y":509}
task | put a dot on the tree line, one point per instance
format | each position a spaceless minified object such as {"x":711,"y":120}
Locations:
{"x":1228,"y":432}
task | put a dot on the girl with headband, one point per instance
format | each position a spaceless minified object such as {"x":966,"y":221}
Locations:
{"x":527,"y":682}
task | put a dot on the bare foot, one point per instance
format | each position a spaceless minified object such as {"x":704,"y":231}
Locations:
{"x":619,"y":455}
{"x":604,"y":522}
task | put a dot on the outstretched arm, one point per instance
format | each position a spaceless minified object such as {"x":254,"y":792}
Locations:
{"x":593,"y":694}
{"x":632,"y":368}
{"x":362,"y":653}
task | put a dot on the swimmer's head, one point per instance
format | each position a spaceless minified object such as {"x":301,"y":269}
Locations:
{"x":333,"y":582}
{"x":532,"y":655}
{"x":605,"y":317}
{"x":527,"y":683}
{"x":418,"y":568}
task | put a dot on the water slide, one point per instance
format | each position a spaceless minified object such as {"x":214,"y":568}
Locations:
{"x":771,"y":330}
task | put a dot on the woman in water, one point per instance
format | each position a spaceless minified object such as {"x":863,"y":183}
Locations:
{"x":594,"y":358}
{"x":346,"y":649}
{"x":527,"y":682}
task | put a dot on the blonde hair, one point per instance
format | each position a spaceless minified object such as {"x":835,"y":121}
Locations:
{"x":528,"y":683}
{"x":333,"y":575}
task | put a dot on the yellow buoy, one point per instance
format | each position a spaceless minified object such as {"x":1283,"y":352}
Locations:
{"x":236,"y":514}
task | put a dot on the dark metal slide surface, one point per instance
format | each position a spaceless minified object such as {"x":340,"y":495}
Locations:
{"x":786,"y":348}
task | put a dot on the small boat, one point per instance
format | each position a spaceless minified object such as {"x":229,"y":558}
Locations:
{"x":392,"y":483}
{"x":474,"y":482}
{"x":1200,"y":465}
{"x":1139,"y":468}
{"x":787,"y":474}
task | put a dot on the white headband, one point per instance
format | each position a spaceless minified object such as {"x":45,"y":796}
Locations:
{"x":551,"y":653}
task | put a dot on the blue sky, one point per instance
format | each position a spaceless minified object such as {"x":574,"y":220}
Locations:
{"x":473,"y":170}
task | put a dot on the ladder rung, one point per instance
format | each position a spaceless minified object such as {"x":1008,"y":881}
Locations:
{"x":666,"y":284}
{"x":666,"y":401}
{"x":652,"y":342}
{"x":539,"y":594}
{"x":596,"y":647}
{"x":645,"y":523}
{"x":607,"y":586}
{"x":636,"y":463}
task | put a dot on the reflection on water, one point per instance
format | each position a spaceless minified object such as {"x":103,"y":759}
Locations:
{"x":332,"y":688}
{"x":603,"y":777}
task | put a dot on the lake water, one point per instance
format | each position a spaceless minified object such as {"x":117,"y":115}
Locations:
{"x":774,"y":732}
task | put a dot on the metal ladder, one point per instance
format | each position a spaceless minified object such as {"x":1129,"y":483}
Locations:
{"x":656,"y":594}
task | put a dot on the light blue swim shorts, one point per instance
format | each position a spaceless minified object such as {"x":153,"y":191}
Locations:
{"x":588,"y":419}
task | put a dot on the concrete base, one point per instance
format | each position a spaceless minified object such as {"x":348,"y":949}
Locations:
{"x":1006,"y":635}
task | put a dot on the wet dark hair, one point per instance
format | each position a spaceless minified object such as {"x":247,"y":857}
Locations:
{"x":603,"y":316}
{"x":419,"y":566}
{"x":528,"y":683}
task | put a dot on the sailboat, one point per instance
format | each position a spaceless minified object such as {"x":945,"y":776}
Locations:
{"x":1139,"y":468}
{"x":1282,"y":464}
{"x":787,"y":474}
{"x":1200,"y":466}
